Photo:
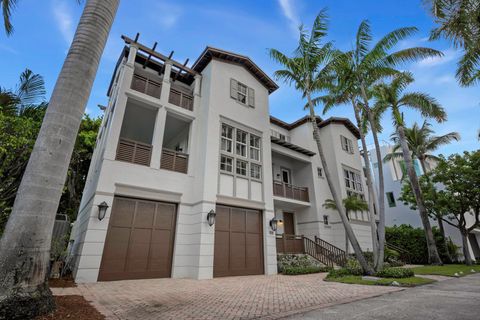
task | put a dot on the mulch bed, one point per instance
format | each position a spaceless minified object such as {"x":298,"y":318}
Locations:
{"x":73,"y":307}
{"x":61,"y":283}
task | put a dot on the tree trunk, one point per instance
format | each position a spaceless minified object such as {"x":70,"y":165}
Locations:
{"x":338,"y":201}
{"x":466,"y":252}
{"x":381,"y":184}
{"x":25,"y":245}
{"x":445,"y":242}
{"x":366,"y":159}
{"x":433,"y":257}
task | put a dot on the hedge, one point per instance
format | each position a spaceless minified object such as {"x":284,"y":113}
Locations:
{"x":304,"y":270}
{"x":395,"y":273}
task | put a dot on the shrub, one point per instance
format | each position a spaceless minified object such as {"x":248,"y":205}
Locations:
{"x":338,"y":273}
{"x":295,"y":261}
{"x":304,"y":270}
{"x":353,"y":267}
{"x":395,"y":273}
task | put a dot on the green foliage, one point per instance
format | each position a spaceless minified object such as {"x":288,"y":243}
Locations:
{"x":413,"y":240}
{"x":304,"y":270}
{"x":403,"y":282}
{"x":395,"y":273}
{"x":289,"y":261}
{"x":448,"y":270}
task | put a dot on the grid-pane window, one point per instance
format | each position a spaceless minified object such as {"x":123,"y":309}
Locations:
{"x":242,"y":93}
{"x":241,"y":167}
{"x":241,"y":143}
{"x":254,"y":147}
{"x":353,"y":183}
{"x":347,"y":144}
{"x":226,"y":164}
{"x":255,"y":171}
{"x":227,"y":138}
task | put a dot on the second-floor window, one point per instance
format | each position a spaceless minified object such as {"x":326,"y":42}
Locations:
{"x":227,"y":138}
{"x":242,"y":93}
{"x":353,"y":183}
{"x":347,"y":144}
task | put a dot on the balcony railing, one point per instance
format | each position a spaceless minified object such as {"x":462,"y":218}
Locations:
{"x":287,"y":190}
{"x":134,"y":152}
{"x":174,"y":161}
{"x":181,"y":99}
{"x":147,"y":86}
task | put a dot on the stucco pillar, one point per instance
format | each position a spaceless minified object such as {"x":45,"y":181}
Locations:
{"x":166,"y":82}
{"x":157,"y":140}
{"x":120,"y":105}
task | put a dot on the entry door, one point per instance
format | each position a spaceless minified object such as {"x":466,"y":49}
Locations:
{"x":286,"y":177}
{"x":238,"y":242}
{"x":288,"y":224}
{"x":139,"y":243}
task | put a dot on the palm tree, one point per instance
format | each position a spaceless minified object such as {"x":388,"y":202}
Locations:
{"x":421,"y":143}
{"x":391,"y":97}
{"x":310,"y":71}
{"x":25,"y":244}
{"x":29,"y":91}
{"x":7,"y":7}
{"x":359,"y":70}
{"x":350,"y":204}
{"x":458,"y":22}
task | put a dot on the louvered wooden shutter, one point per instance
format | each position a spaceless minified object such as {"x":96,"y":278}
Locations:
{"x":251,"y":97}
{"x":233,"y":88}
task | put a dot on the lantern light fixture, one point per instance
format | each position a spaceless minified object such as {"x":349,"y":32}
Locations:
{"x":274,"y":224}
{"x":102,"y":210}
{"x":211,"y":217}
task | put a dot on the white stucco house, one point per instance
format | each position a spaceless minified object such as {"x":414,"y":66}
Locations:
{"x":194,"y":172}
{"x":397,"y":213}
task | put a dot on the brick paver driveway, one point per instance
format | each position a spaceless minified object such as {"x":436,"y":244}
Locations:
{"x":250,"y":297}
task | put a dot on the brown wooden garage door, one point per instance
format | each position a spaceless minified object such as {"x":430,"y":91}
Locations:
{"x":139,"y":242}
{"x":238,"y":242}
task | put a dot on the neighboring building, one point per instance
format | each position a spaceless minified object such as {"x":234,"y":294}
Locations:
{"x":397,"y":213}
{"x":173,"y":150}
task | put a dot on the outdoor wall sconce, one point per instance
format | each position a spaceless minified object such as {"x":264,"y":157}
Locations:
{"x":102,"y":210}
{"x":211,"y":217}
{"x":274,"y":224}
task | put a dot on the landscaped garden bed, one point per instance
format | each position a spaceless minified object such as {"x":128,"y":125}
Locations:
{"x":401,"y":282}
{"x":72,"y":307}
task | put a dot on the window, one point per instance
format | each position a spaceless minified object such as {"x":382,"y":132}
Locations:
{"x":226,"y":164}
{"x":325,"y":220}
{"x":254,"y":147}
{"x":242,"y":93}
{"x":227,"y":138}
{"x":241,"y":143}
{"x":255,"y":171}
{"x":281,"y":137}
{"x":347,"y":144}
{"x":353,"y":183}
{"x":320,"y":172}
{"x":241,"y":167}
{"x":391,"y":199}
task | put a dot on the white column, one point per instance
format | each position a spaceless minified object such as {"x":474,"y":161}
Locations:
{"x":157,"y":140}
{"x":166,"y":83}
{"x":120,"y":105}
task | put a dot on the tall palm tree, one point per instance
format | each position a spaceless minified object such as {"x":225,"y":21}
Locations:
{"x":310,"y":71}
{"x":350,"y":204}
{"x":458,"y":21}
{"x":360,"y":70}
{"x":30,"y":90}
{"x":421,"y":143}
{"x":391,"y":97}
{"x":25,"y":244}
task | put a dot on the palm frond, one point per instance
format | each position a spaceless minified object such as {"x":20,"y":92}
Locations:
{"x":31,"y":88}
{"x":393,"y":155}
{"x":411,"y":55}
{"x":436,"y":141}
{"x":427,"y":105}
{"x":468,"y":68}
{"x":362,"y":41}
{"x":320,"y":26}
{"x":7,"y":8}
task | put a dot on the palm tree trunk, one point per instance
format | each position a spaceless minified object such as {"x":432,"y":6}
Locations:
{"x":25,"y":245}
{"x":466,"y":252}
{"x":433,"y":257}
{"x":338,"y":202}
{"x":371,"y":210}
{"x":381,"y":183}
{"x":444,"y":238}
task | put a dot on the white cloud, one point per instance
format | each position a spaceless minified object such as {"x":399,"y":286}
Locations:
{"x":290,"y":13}
{"x":448,"y":56}
{"x":170,"y":14}
{"x":64,"y":19}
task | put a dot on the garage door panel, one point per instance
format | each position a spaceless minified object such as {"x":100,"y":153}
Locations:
{"x":138,"y":249}
{"x":124,"y":211}
{"x":144,"y":215}
{"x":238,"y":242}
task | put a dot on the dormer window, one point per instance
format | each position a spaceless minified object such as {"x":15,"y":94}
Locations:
{"x":242,"y":93}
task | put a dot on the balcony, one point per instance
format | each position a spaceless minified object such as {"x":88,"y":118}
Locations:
{"x":147,"y":86}
{"x":134,"y":152}
{"x":289,"y":191}
{"x":174,"y":161}
{"x":181,"y":99}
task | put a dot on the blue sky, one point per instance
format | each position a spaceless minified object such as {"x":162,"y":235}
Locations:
{"x":44,"y":29}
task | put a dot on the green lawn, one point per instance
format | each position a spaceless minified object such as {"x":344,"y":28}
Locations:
{"x":448,"y":270}
{"x":404,"y":282}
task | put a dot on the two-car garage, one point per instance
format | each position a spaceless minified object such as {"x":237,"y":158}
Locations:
{"x":141,"y":235}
